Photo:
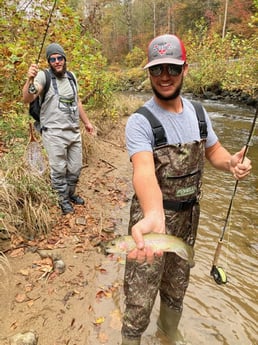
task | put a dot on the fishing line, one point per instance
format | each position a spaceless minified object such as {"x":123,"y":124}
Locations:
{"x":32,"y":88}
{"x":217,"y":272}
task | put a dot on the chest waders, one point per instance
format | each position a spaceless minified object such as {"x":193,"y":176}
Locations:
{"x":179,"y":170}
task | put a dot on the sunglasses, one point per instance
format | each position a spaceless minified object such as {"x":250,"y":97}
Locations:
{"x":174,"y":70}
{"x":54,"y":59}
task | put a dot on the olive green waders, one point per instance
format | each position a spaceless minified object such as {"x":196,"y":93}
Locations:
{"x":168,"y":323}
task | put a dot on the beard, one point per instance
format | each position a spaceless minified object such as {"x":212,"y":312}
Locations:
{"x":170,"y":97}
{"x":59,"y":74}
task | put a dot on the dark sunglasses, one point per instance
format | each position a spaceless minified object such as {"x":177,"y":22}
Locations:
{"x":174,"y":70}
{"x":54,"y":59}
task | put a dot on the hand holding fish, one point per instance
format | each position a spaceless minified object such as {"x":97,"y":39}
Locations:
{"x":149,"y":224}
{"x":154,"y":243}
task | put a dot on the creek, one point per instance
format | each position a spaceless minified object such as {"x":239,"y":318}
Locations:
{"x":213,"y":314}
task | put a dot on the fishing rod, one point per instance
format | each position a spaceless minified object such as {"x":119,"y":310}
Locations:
{"x":32,"y":88}
{"x":217,"y":272}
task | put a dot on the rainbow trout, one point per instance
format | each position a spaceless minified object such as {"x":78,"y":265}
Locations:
{"x":166,"y":243}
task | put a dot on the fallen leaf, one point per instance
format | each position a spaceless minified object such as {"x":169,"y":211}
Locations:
{"x":30,"y":303}
{"x":100,"y":269}
{"x":79,"y":249}
{"x":28,"y":287}
{"x":21,"y":297}
{"x":100,"y":294}
{"x":99,"y":321}
{"x":103,"y":338}
{"x":14,"y":325}
{"x":116,"y":322}
{"x":17,"y":253}
{"x":24,"y":272}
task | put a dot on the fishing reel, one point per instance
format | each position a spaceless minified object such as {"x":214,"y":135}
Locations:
{"x":32,"y":89}
{"x":219,"y":275}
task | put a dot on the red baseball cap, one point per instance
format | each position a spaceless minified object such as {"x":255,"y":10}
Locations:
{"x":166,"y":49}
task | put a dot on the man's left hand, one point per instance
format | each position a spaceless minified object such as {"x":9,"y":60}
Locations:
{"x":238,"y":168}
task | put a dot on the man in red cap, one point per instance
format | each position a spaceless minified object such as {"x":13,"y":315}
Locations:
{"x":60,"y":117}
{"x":167,"y":142}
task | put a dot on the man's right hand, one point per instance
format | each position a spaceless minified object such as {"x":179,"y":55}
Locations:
{"x":146,"y":225}
{"x":33,"y":71}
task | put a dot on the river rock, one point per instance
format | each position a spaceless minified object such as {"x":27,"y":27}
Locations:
{"x":28,"y":338}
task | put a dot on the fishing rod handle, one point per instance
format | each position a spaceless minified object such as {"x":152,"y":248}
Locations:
{"x":32,"y":138}
{"x":217,"y":252}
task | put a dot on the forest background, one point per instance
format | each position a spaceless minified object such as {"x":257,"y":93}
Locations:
{"x":105,"y":42}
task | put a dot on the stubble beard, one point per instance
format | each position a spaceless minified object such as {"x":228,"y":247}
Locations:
{"x":170,"y":97}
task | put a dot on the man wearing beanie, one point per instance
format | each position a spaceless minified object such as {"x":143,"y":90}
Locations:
{"x":167,"y":144}
{"x":60,"y":117}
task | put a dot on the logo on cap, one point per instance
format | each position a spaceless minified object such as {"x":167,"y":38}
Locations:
{"x":162,"y":48}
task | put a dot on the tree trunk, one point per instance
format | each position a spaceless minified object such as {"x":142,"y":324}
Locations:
{"x":128,"y":16}
{"x":225,"y":18}
{"x":154,"y":18}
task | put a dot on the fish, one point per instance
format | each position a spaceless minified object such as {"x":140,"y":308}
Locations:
{"x":157,"y":242}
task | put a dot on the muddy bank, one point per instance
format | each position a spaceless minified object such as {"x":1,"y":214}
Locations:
{"x":57,"y":306}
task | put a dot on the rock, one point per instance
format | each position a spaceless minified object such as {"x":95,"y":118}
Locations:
{"x":28,"y":338}
{"x":59,"y":266}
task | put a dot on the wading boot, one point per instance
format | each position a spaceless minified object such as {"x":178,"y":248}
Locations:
{"x":168,"y":322}
{"x":76,"y":199}
{"x":64,"y":203}
{"x":128,"y":341}
{"x":66,"y":207}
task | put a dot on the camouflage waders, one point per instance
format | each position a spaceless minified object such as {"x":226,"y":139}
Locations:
{"x":179,"y":170}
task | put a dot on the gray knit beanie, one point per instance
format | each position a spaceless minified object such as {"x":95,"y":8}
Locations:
{"x":54,"y":48}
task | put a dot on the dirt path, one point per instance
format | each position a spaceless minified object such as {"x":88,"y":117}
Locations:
{"x":56,"y":306}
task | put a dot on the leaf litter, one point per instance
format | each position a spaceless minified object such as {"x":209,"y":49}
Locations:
{"x":81,"y":233}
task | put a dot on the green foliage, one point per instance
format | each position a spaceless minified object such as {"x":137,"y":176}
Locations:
{"x":130,"y":79}
{"x":22,"y":36}
{"x":135,"y":57}
{"x":26,"y":199}
{"x":230,"y":63}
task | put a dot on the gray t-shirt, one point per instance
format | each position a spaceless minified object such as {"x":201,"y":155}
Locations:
{"x":59,"y":110}
{"x":180,"y":128}
{"x":63,"y":84}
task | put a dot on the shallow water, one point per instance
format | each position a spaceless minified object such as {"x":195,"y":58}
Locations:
{"x":213,"y":314}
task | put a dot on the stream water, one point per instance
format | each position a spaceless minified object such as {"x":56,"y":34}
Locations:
{"x":213,"y":314}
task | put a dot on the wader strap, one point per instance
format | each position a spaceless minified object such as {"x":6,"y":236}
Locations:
{"x":70,"y":78}
{"x":158,"y":130}
{"x":201,"y":119}
{"x":178,"y":205}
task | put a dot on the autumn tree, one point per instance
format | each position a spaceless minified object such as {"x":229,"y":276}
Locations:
{"x":23,"y":27}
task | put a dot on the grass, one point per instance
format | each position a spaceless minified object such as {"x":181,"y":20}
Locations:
{"x":5,"y":269}
{"x":26,"y":199}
